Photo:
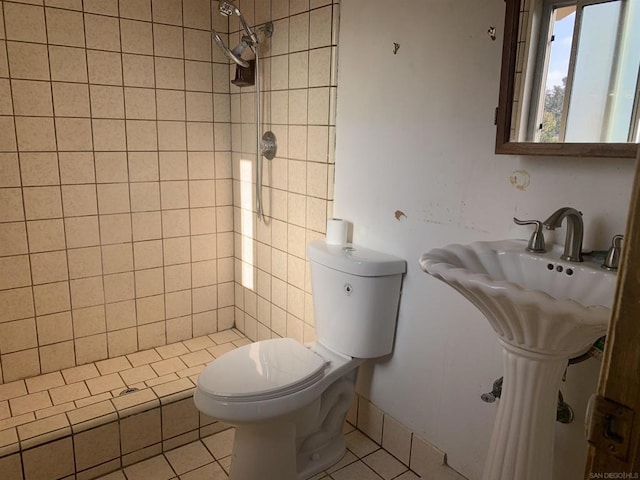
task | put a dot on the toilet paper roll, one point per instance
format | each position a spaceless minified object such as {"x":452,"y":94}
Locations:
{"x":337,"y":230}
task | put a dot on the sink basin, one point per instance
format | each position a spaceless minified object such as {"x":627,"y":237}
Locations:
{"x":544,"y":311}
{"x":533,"y":301}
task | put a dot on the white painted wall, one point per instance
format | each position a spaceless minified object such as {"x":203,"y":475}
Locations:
{"x":415,"y":133}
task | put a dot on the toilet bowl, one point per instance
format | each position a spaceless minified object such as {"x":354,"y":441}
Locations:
{"x":288,"y":395}
{"x":289,"y":401}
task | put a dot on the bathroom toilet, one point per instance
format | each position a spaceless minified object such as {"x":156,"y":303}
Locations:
{"x":288,"y":401}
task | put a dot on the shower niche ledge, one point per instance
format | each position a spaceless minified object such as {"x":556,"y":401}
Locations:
{"x":544,"y":311}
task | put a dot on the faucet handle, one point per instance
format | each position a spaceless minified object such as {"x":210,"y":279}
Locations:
{"x":536,"y":242}
{"x":612,"y":260}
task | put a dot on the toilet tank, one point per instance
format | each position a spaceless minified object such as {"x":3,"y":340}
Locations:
{"x":356,"y":292}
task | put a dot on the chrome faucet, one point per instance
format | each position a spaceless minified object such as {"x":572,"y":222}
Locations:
{"x":575,"y":229}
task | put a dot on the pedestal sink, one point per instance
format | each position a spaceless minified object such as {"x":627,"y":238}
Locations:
{"x":545,"y":311}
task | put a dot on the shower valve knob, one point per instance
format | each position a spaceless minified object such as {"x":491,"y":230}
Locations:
{"x":268,"y":145}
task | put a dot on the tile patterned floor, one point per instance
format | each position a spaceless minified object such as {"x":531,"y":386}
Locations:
{"x":44,"y":408}
{"x":209,"y":459}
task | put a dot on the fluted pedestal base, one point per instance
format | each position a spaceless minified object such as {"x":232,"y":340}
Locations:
{"x":523,"y":435}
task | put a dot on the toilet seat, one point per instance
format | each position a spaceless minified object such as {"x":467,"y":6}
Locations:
{"x":260,"y":371}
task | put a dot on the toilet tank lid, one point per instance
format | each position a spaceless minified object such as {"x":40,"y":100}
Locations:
{"x":354,"y":259}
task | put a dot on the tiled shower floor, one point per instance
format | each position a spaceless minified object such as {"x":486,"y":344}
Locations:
{"x":24,"y":401}
{"x":209,"y":459}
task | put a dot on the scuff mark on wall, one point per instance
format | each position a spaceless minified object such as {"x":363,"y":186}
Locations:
{"x":520,"y":179}
{"x":446,"y":216}
{"x":399,"y":214}
{"x":439,"y":214}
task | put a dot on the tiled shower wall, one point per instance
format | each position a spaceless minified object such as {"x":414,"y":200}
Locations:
{"x":273,"y":292}
{"x":116,"y":216}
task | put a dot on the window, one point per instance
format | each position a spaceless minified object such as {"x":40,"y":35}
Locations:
{"x":586,"y":83}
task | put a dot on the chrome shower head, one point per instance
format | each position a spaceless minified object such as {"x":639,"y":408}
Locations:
{"x":226,"y":8}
